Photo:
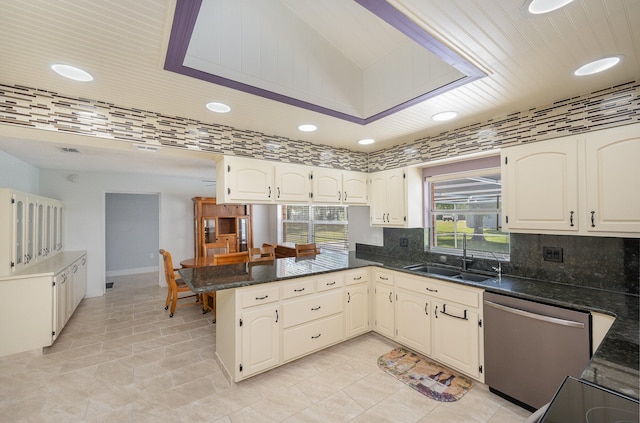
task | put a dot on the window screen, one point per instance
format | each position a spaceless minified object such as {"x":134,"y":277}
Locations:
{"x":327,"y":226}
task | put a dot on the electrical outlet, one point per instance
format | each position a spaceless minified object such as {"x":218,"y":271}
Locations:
{"x":552,"y":254}
{"x":404,"y":242}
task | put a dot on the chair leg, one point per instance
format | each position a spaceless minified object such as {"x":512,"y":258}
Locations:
{"x":174,"y":302}
{"x":166,"y":304}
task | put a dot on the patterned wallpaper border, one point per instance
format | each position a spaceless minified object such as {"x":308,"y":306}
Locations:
{"x":615,"y":106}
{"x":41,"y":109}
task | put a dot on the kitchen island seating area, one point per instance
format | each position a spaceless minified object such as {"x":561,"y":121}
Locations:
{"x":175,"y":286}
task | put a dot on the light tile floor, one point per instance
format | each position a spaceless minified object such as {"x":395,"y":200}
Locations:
{"x":122,"y":359}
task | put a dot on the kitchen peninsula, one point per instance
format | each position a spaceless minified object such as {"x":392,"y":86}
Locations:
{"x":276,"y":294}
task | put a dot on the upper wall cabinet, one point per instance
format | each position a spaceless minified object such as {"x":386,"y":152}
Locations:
{"x":33,"y":228}
{"x":395,"y":197}
{"x":242,"y":180}
{"x":574,"y":185}
{"x":332,"y":186}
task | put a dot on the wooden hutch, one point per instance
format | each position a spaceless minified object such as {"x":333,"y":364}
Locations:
{"x":221,"y":223}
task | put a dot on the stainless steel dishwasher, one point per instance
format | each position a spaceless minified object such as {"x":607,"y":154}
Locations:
{"x":530,"y":347}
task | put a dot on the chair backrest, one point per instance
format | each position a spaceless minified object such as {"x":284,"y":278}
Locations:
{"x":230,"y":258}
{"x":217,"y":248}
{"x":262,"y":253}
{"x":306,"y":250}
{"x":169,"y":273}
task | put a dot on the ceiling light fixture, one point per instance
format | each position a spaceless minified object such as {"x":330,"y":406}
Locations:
{"x":539,"y":7}
{"x":307,"y":128}
{"x":441,"y":117}
{"x":597,"y":66}
{"x":72,"y":72}
{"x":366,"y":141}
{"x":218,"y":107}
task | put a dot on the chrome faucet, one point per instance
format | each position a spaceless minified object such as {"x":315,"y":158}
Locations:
{"x":499,"y":268}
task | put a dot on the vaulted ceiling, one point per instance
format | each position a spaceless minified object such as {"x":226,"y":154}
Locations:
{"x":528,"y":60}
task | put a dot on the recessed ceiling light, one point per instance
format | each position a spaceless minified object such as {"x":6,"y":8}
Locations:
{"x":597,"y":66}
{"x":307,"y":128}
{"x":72,"y":72}
{"x":538,"y":7}
{"x":218,"y":107}
{"x":439,"y":117}
{"x":366,"y":141}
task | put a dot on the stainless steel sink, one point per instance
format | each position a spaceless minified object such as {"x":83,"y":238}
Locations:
{"x":449,"y":273}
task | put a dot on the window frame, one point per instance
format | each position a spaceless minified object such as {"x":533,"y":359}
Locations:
{"x":430,"y":216}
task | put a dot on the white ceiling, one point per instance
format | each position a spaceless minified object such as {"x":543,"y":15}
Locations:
{"x":529,"y":61}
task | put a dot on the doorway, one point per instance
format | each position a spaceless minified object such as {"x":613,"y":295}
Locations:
{"x":132,"y":234}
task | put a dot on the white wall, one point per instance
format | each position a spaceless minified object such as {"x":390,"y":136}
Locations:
{"x":84,"y":218}
{"x":264,"y":223}
{"x":359,"y":229}
{"x":18,"y":175}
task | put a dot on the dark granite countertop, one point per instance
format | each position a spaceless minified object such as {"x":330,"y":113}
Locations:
{"x":615,"y":365}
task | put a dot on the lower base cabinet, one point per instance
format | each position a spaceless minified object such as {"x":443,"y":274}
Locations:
{"x":456,"y":337}
{"x":261,"y":327}
{"x":36,"y":304}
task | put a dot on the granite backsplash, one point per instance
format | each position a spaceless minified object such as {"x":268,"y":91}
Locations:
{"x":595,"y":262}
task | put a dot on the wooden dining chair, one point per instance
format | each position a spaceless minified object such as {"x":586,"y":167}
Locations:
{"x":217,"y":248}
{"x":304,"y":250}
{"x":175,"y":285}
{"x":262,"y":254}
{"x":230,"y":258}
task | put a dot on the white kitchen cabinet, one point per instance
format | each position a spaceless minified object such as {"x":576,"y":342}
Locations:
{"x":36,"y":303}
{"x":384,"y":309}
{"x":78,"y":272}
{"x":357,"y":309}
{"x":332,"y":186}
{"x":292,"y":183}
{"x":312,"y":323}
{"x":240,"y":180}
{"x":574,"y":185}
{"x":413,"y":321}
{"x":612,"y":175}
{"x":395,"y":198}
{"x":27,"y":220}
{"x":456,"y":337}
{"x":260,"y":329}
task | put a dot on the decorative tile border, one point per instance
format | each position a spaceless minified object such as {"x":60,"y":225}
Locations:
{"x":41,"y":109}
{"x":615,"y":106}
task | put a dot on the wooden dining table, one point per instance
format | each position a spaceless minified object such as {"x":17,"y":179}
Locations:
{"x":197,"y":262}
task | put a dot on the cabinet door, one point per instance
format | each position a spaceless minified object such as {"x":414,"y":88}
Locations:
{"x":385,"y":310}
{"x":612,"y":175}
{"x":260,"y":339}
{"x":30,"y":230}
{"x":292,"y":183}
{"x":19,"y":251}
{"x":378,"y":198}
{"x":246,"y":180}
{"x":61,"y":295}
{"x":327,"y":186}
{"x":456,"y":337}
{"x":540,"y":190}
{"x":79,"y":269}
{"x":354,"y":188}
{"x":396,"y":201}
{"x":413,"y":321}
{"x":357,"y":309}
{"x":41,"y":231}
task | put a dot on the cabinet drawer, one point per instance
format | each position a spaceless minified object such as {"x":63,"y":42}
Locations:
{"x":357,"y":276}
{"x":449,"y":291}
{"x":297,"y":288}
{"x":307,"y":309}
{"x":383,"y":277}
{"x":330,"y":282}
{"x":256,"y":296}
{"x":312,"y":336}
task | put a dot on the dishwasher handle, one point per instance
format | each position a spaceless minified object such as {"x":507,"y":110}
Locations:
{"x":536,"y":316}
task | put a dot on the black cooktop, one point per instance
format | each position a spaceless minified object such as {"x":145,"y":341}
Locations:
{"x":580,"y":401}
